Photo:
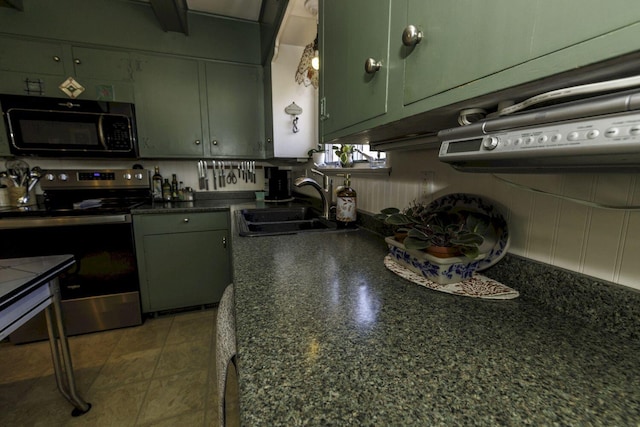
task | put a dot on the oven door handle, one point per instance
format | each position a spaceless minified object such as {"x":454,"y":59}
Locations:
{"x":63,"y":221}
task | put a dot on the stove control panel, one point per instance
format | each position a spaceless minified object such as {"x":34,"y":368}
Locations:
{"x":94,"y":179}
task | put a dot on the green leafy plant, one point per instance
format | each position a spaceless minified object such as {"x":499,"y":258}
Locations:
{"x":319,"y":149}
{"x":344,"y":153}
{"x":461,"y":229}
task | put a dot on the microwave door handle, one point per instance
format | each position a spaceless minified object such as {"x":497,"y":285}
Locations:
{"x":101,"y":131}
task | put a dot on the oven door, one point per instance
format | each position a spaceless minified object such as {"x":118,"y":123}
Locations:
{"x":101,"y":291}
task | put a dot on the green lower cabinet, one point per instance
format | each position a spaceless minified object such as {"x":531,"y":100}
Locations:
{"x":183,"y":259}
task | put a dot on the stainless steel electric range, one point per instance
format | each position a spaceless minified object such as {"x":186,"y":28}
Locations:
{"x":86,"y":213}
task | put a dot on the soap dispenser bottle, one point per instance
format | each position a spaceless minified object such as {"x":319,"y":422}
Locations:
{"x":346,"y":204}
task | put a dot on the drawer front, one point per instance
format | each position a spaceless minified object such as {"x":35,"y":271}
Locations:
{"x":180,"y":222}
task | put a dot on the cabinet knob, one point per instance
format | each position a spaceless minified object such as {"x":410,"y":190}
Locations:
{"x":371,"y":66}
{"x":56,"y":58}
{"x":214,"y":142}
{"x":77,"y":61}
{"x":186,"y":220}
{"x":411,"y":36}
{"x":197,"y":141}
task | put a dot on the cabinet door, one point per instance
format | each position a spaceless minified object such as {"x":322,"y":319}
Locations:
{"x":101,"y":64}
{"x":352,"y":32}
{"x":167,"y":98}
{"x":185,"y":269}
{"x":467,"y":40}
{"x":235,"y":102}
{"x":28,"y":56}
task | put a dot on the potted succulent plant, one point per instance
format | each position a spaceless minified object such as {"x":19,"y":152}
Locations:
{"x":344,"y":153}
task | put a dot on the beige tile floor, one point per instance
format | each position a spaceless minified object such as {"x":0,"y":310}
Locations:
{"x":161,"y":373}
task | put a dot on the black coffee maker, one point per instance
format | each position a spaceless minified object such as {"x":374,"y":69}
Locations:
{"x":277,"y":184}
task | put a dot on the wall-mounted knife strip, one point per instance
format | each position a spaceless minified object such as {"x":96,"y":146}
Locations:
{"x":244,"y":170}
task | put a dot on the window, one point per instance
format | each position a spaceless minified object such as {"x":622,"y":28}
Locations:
{"x":330,"y":156}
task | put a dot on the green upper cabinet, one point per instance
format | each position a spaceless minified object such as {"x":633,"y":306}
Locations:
{"x":31,"y":56}
{"x":353,"y":33}
{"x":104,"y":73}
{"x":167,"y":102}
{"x":187,"y":108}
{"x":102,"y":64}
{"x":465,"y":41}
{"x":235,"y":105}
{"x":455,"y":49}
{"x":468,"y":49}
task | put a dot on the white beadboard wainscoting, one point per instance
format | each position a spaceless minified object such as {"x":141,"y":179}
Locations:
{"x":598,"y":242}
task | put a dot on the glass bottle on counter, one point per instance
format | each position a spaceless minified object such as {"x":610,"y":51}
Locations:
{"x":181,"y":191}
{"x":174,"y":187}
{"x":346,"y":204}
{"x":166,"y":190}
{"x":156,"y":181}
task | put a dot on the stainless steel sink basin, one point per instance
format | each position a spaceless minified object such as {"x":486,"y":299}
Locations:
{"x":285,"y":220}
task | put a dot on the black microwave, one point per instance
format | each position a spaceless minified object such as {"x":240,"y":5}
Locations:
{"x":39,"y":126}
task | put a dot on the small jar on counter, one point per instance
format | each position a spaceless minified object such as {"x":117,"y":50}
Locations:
{"x":188,"y":194}
{"x":4,"y":196}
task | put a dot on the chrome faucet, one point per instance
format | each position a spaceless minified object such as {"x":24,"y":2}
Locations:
{"x":323,"y":190}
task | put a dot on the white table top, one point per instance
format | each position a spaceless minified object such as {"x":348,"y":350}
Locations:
{"x":18,"y":274}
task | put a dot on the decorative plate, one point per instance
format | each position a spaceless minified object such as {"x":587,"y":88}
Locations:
{"x":497,"y":240}
{"x":477,"y":286}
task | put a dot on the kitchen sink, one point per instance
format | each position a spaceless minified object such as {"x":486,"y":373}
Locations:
{"x":285,"y":220}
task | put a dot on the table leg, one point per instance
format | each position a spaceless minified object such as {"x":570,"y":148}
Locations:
{"x":64,"y":371}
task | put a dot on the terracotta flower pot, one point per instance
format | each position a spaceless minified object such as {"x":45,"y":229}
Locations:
{"x":400,"y":236}
{"x":444,"y":251}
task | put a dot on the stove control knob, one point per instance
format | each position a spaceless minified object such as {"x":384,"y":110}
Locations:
{"x":138,"y":176}
{"x":127,"y":176}
{"x":49,"y":177}
{"x":63,"y":177}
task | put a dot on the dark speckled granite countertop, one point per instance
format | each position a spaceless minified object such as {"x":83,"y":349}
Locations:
{"x":328,"y":336}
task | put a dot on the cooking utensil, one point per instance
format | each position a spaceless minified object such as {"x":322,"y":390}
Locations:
{"x":231,"y":179}
{"x":19,"y":169}
{"x":200,"y":176}
{"x":253,"y":171}
{"x":34,"y":177}
{"x":205,"y":172}
{"x":215,"y":184}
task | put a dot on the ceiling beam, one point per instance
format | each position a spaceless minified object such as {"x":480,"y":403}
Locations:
{"x":172,"y":14}
{"x":16,"y":4}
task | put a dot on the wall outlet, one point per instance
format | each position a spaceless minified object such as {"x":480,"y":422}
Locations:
{"x":427,"y":185}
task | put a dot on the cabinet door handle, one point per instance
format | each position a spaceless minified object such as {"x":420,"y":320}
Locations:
{"x":411,"y":36}
{"x":186,"y":220}
{"x":197,"y":142}
{"x":224,"y":242}
{"x":214,"y":142}
{"x":77,"y":61}
{"x":56,"y":58}
{"x":371,"y":66}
